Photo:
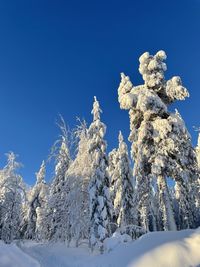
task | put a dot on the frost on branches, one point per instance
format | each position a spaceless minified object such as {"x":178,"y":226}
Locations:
{"x":100,"y":203}
{"x":161,"y":144}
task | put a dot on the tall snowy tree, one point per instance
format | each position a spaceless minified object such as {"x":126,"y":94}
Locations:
{"x":42,"y":227}
{"x":11,"y":197}
{"x":113,"y":172}
{"x":198,"y":182}
{"x":142,"y":148}
{"x":161,"y":145}
{"x":100,"y":204}
{"x":121,"y":187}
{"x":58,"y":193}
{"x":78,"y":174}
{"x":198,"y":151}
{"x":33,"y":223}
{"x":127,"y":209}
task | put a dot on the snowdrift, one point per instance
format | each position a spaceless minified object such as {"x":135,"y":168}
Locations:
{"x":158,"y":249}
{"x":13,"y":256}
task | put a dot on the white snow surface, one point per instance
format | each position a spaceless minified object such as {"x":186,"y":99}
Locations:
{"x":13,"y":256}
{"x":158,"y":249}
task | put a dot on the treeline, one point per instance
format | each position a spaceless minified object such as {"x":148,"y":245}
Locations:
{"x":93,"y":194}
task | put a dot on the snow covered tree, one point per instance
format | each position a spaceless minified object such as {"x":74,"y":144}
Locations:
{"x":155,"y":221}
{"x":198,"y":151}
{"x":34,"y":220}
{"x":57,"y":210}
{"x":114,"y":183}
{"x":127,"y":210}
{"x":183,"y":169}
{"x":11,"y":197}
{"x":141,"y":149}
{"x":78,"y":174}
{"x":198,"y":182}
{"x":121,"y":186}
{"x":42,"y":226}
{"x":161,"y":145}
{"x":100,"y":203}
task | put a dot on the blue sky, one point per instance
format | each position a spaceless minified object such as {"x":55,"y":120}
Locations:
{"x":56,"y":55}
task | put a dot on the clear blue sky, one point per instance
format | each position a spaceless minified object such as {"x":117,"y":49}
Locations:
{"x":56,"y":55}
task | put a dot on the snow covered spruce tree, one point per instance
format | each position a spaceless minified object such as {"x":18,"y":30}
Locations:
{"x":121,"y":187}
{"x":185,"y":173}
{"x":198,"y":151}
{"x":100,"y":203}
{"x":161,"y":145}
{"x":114,"y":184}
{"x":11,"y":197}
{"x":127,"y":210}
{"x":58,"y":206}
{"x":41,"y":231}
{"x":78,"y":174}
{"x":35,"y":215}
{"x":198,"y":184}
{"x":142,"y":148}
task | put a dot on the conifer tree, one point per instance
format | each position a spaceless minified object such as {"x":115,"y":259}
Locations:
{"x":58,"y":194}
{"x":161,"y":145}
{"x":121,"y":187}
{"x":197,"y":150}
{"x":11,"y":197}
{"x":78,"y":175}
{"x":36,"y":207}
{"x":114,"y":184}
{"x":42,"y":223}
{"x":127,"y":212}
{"x":100,"y":204}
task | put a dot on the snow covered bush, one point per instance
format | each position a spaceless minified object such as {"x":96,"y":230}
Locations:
{"x":112,"y":242}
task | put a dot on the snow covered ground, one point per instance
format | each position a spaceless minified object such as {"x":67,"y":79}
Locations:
{"x":158,"y":249}
{"x":13,"y":256}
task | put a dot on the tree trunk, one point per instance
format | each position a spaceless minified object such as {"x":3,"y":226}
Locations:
{"x":165,"y":205}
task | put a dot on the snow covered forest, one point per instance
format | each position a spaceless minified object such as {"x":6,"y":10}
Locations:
{"x":94,"y":194}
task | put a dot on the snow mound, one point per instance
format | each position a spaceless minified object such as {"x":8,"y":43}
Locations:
{"x":157,"y":249}
{"x":12,"y":256}
{"x":116,"y":239}
{"x":169,"y":249}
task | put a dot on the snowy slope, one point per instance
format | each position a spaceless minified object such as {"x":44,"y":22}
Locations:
{"x":12,"y":256}
{"x":158,"y":249}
